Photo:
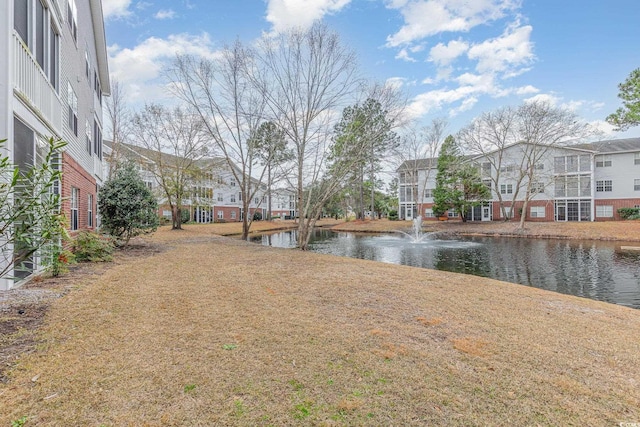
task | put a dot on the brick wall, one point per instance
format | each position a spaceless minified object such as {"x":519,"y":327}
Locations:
{"x":617,"y":204}
{"x":226,"y":210}
{"x":73,"y":175}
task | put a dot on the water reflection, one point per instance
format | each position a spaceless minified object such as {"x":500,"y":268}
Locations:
{"x":597,"y":270}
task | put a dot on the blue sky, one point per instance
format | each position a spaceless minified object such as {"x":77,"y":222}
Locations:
{"x":454,"y":58}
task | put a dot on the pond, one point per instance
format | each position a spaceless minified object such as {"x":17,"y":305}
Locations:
{"x":596,"y":270}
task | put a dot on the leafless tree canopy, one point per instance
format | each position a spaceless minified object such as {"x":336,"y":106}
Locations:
{"x":536,"y":127}
{"x":119,"y":121}
{"x":174,"y":142}
{"x":307,"y":77}
{"x":231,"y":107}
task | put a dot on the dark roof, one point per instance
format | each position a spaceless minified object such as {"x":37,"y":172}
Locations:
{"x":611,"y":145}
{"x":419,"y":164}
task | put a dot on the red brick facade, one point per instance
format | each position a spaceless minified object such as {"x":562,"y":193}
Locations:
{"x":74,"y":176}
{"x":617,"y":204}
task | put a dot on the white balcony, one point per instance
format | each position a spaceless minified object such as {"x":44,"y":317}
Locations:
{"x":32,"y":86}
{"x":98,"y":168}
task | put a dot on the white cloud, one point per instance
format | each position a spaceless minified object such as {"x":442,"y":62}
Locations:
{"x":505,"y":53}
{"x":545,"y":98}
{"x":404,"y":55}
{"x":285,"y":14}
{"x":424,"y":18}
{"x":165,"y":14}
{"x":115,"y":8}
{"x":444,"y":55}
{"x":139,"y":68}
{"x":526,"y":90}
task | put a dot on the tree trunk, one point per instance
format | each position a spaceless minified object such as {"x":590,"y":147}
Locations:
{"x":268,"y":192}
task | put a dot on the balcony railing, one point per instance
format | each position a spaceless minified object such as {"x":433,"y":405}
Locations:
{"x":30,"y":82}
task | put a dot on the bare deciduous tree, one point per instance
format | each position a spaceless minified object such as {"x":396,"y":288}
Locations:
{"x":532,"y":130}
{"x":119,"y":120}
{"x":307,"y":76}
{"x":231,"y":108}
{"x":418,"y":150}
{"x":174,"y":142}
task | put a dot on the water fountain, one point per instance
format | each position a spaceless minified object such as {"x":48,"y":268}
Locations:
{"x":416,"y":235}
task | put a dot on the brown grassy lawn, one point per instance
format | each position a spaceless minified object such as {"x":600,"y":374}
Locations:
{"x":215,"y":331}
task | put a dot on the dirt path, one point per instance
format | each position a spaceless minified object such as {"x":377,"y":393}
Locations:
{"x":214,"y":331}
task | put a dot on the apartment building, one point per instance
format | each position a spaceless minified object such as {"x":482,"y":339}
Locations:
{"x":584,"y":182}
{"x":214,"y":195}
{"x":52,"y":83}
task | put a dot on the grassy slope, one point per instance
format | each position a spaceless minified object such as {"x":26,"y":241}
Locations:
{"x":216,"y":331}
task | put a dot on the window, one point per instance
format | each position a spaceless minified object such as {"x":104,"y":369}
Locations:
{"x":75,"y":195}
{"x":537,"y":212}
{"x":220,"y":214}
{"x":72,"y":100}
{"x":572,"y":164}
{"x":256,"y":200}
{"x":603,"y":161}
{"x":451,"y":213}
{"x":220,"y":197}
{"x":232,"y":198}
{"x":604,"y":185}
{"x":585,"y":163}
{"x":636,"y":159}
{"x":233,"y":214}
{"x":558,"y":165}
{"x":636,"y":184}
{"x":508,"y":210}
{"x":166,"y":213}
{"x":149,"y":185}
{"x":72,"y":18}
{"x":487,"y":183}
{"x":507,"y":168}
{"x":21,"y":19}
{"x":97,"y":87}
{"x":486,"y":169}
{"x":428,"y":193}
{"x":240,"y":196}
{"x":538,"y":166}
{"x":88,"y":134}
{"x":90,"y":210}
{"x":97,"y":140}
{"x":506,"y":188}
{"x":537,"y":187}
{"x":232,"y":182}
{"x":428,"y":213}
{"x":604,"y":211}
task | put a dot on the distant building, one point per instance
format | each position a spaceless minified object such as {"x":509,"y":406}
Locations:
{"x":53,"y":77}
{"x":214,"y":196}
{"x":585,"y":182}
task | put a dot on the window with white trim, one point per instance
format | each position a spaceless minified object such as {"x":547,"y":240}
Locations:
{"x":604,"y":185}
{"x":506,"y":188}
{"x":604,"y":211}
{"x":636,"y":159}
{"x":451,"y":213}
{"x":233,"y":214}
{"x":72,"y":18}
{"x":428,"y":213}
{"x":603,"y":161}
{"x":232,"y":198}
{"x":537,"y":212}
{"x":75,"y":196}
{"x":97,"y":140}
{"x":508,"y":210}
{"x":232,"y":182}
{"x":220,"y":214}
{"x":88,"y":132}
{"x":537,"y":187}
{"x":72,"y":100}
{"x":428,"y":193}
{"x":90,"y":210}
{"x":636,"y":184}
{"x":240,"y":196}
{"x":220,"y":197}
